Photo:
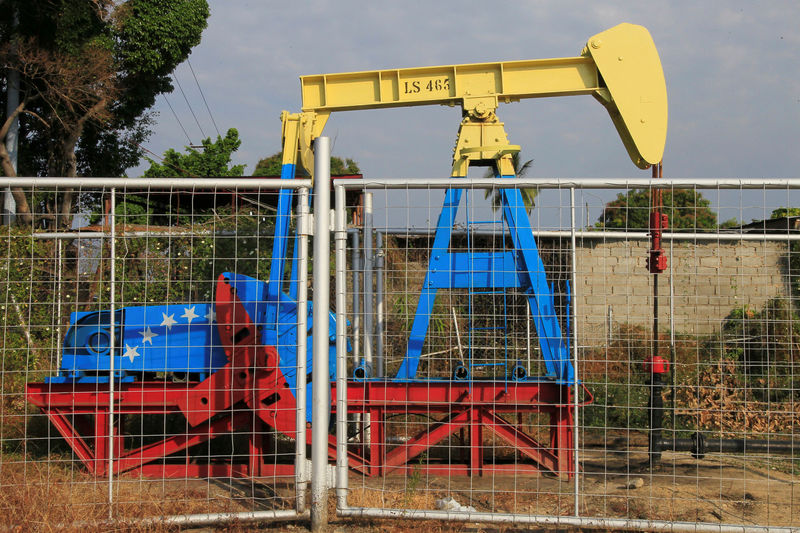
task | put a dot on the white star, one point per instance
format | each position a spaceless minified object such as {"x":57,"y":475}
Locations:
{"x":168,"y":321}
{"x":147,"y":336}
{"x":131,"y":352}
{"x":189,"y":314}
{"x":211,"y":316}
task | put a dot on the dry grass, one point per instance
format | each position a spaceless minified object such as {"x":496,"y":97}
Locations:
{"x":46,"y":496}
{"x":721,"y":402}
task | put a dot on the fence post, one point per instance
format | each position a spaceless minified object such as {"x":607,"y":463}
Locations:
{"x":112,"y":344}
{"x":321,"y":344}
{"x":574,"y":335}
{"x":341,"y":349}
{"x":380,"y":309}
{"x":300,"y":475}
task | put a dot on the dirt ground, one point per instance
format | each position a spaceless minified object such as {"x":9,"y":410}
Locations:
{"x":717,"y":489}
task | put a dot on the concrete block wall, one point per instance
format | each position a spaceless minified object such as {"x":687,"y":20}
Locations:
{"x":709,"y":279}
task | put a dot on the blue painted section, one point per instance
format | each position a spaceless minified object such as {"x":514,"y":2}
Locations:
{"x":279,"y":248}
{"x":182,"y":338}
{"x":540,"y":297}
{"x":162,"y":338}
{"x":522,"y":268}
{"x":474,"y":271}
{"x":427,"y":297}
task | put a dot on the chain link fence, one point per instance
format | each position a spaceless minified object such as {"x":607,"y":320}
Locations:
{"x":686,"y":423}
{"x":489,"y":361}
{"x":134,"y":334}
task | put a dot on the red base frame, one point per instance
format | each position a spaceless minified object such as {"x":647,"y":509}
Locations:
{"x":250,"y":395}
{"x":81,"y":415}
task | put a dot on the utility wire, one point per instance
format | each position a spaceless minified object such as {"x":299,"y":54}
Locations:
{"x":174,"y":77}
{"x":204,"y":98}
{"x":179,"y":169}
{"x":177,"y":119}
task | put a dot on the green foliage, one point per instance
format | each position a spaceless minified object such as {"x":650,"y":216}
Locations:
{"x":343,"y":168}
{"x":145,"y":40}
{"x":271,"y":166}
{"x":155,"y":36}
{"x":185,"y":268}
{"x":685,"y":209}
{"x":615,"y":377}
{"x":785,"y":212}
{"x":793,"y":257}
{"x":731,"y":223}
{"x":520,"y":169}
{"x":214,"y":160}
{"x":764,"y":343}
{"x":26,"y":315}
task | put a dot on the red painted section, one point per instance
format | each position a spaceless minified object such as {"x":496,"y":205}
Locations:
{"x":489,"y":406}
{"x":656,"y":365}
{"x":251,"y":395}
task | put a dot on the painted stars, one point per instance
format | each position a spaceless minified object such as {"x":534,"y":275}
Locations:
{"x":148,"y":336}
{"x":189,"y":314}
{"x":149,"y":340}
{"x":131,"y":352}
{"x":169,"y":320}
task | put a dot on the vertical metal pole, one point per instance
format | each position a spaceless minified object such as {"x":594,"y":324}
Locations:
{"x":369,"y":318}
{"x":587,"y":215}
{"x":656,"y":403}
{"x":112,"y":349}
{"x":368,"y":286}
{"x":528,"y":338}
{"x":574,"y":333}
{"x":357,"y":266}
{"x":302,"y":350}
{"x":672,"y":353}
{"x":60,"y":278}
{"x":341,"y":351}
{"x":379,"y":303}
{"x":356,"y":298}
{"x":320,"y":334}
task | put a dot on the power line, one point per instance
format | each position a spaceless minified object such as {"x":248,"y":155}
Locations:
{"x":204,"y":98}
{"x":174,"y":77}
{"x":176,"y":118}
{"x":166,"y":163}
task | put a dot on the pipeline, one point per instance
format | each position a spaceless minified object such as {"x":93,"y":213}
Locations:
{"x":699,"y":446}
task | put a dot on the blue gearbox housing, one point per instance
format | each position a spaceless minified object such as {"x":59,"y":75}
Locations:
{"x":181,"y":341}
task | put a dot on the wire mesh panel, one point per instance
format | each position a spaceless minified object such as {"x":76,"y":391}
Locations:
{"x":150,"y":353}
{"x":512,"y":363}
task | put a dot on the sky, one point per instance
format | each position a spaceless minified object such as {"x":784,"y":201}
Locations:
{"x":731,"y":70}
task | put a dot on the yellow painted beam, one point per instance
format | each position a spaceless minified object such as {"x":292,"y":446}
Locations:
{"x":620,"y":67}
{"x":449,"y":85}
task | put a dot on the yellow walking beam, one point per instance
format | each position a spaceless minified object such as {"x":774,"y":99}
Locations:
{"x":620,"y":67}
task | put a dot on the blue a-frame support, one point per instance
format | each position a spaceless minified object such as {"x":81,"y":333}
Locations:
{"x":522,"y":268}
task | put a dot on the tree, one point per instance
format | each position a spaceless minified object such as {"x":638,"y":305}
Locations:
{"x":90,"y":70}
{"x":185,"y":267}
{"x":785,"y":212}
{"x":214,"y":159}
{"x":685,"y":209}
{"x":528,"y":195}
{"x":271,"y":166}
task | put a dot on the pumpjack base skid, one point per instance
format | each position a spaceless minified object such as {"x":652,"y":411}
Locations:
{"x":469,"y":410}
